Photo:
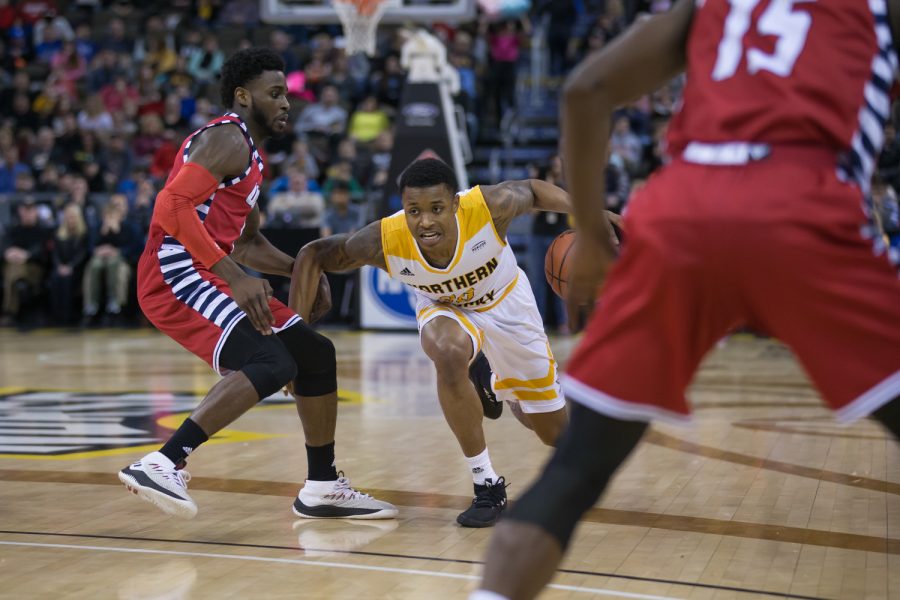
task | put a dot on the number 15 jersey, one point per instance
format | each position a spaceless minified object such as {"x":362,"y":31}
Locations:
{"x":814,"y":72}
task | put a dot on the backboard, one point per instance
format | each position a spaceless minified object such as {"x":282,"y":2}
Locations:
{"x":399,"y":11}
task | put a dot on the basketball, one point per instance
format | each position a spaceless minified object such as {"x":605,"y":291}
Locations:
{"x":556,"y":266}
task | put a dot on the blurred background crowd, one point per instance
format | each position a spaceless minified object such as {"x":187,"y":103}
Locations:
{"x":96,"y":97}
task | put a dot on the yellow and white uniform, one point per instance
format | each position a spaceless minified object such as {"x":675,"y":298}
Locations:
{"x":484,"y":291}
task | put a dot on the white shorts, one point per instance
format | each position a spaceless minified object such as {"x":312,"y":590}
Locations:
{"x":511,"y":335}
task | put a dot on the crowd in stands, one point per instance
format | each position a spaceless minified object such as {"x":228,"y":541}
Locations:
{"x":96,"y":97}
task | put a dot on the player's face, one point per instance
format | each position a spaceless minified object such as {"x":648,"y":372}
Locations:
{"x":431,"y":215}
{"x":270,"y":106}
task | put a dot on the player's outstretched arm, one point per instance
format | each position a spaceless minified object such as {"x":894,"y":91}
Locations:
{"x":254,"y":250}
{"x":509,"y":199}
{"x":646,"y":56}
{"x":336,"y":253}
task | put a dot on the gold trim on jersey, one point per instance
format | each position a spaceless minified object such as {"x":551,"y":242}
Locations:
{"x":530,"y":384}
{"x":457,"y":315}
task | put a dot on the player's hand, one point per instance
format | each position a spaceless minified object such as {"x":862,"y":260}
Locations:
{"x":589,"y":263}
{"x":252,"y":295}
{"x":322,"y":303}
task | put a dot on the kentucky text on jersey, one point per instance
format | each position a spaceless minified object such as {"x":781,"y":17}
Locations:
{"x":483,"y":269}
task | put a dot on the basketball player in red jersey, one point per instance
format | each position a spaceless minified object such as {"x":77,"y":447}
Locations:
{"x":758,"y":219}
{"x":191,"y":287}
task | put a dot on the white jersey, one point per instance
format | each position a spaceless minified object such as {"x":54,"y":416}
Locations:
{"x":483,"y":269}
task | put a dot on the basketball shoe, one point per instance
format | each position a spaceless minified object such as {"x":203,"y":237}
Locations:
{"x":157,"y":480}
{"x":488,"y":505}
{"x":337,"y":500}
{"x":480,"y":374}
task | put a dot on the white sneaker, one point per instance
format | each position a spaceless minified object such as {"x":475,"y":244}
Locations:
{"x":337,"y":500}
{"x":155,"y":479}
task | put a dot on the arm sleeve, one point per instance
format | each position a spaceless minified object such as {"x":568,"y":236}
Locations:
{"x":175,"y":211}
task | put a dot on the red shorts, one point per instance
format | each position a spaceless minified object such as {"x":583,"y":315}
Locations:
{"x":780,"y":244}
{"x":191,"y":305}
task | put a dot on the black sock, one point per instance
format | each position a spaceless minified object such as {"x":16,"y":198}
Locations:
{"x":184,"y":441}
{"x":320,"y":461}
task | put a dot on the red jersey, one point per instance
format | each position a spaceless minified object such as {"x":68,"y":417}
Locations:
{"x":225,"y":212}
{"x":789,"y":72}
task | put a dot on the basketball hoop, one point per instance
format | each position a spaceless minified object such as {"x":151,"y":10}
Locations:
{"x":359,"y":19}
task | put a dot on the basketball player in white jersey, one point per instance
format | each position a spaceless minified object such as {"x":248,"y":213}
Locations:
{"x":471,"y":297}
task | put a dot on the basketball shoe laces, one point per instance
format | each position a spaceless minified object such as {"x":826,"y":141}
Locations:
{"x":342,"y":490}
{"x":179,"y":475}
{"x":492,"y":494}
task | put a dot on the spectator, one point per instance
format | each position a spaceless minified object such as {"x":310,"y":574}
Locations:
{"x":70,"y":67}
{"x":368,"y":121}
{"x":25,"y":119}
{"x":504,"y":45}
{"x":11,"y":168}
{"x":148,"y":141}
{"x":108,"y":263}
{"x":173,"y":113}
{"x":203,"y":113}
{"x":342,"y":173}
{"x":116,"y":94}
{"x":164,"y":156}
{"x":204,"y":66}
{"x":240,"y":12}
{"x":21,"y":84}
{"x":282,"y":43}
{"x":117,"y":161}
{"x":95,"y":117}
{"x":142,"y":210}
{"x":301,"y":158}
{"x":24,"y":258}
{"x":70,"y":249}
{"x":116,"y":39}
{"x":323,"y":123}
{"x":341,"y":217}
{"x":388,"y":84}
{"x":544,"y":228}
{"x":626,"y":144}
{"x":44,"y":151}
{"x":297,"y":206}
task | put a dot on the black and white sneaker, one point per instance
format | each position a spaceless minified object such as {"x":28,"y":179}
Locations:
{"x":488,"y":505}
{"x":480,"y":374}
{"x":155,"y":479}
{"x":337,"y":500}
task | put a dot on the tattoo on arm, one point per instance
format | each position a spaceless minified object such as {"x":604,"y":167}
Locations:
{"x":344,"y":251}
{"x":508,"y":200}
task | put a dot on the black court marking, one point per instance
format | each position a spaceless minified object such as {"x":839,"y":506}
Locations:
{"x":709,"y":586}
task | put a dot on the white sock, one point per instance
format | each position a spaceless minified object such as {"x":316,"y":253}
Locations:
{"x":481,"y":468}
{"x":486,"y":595}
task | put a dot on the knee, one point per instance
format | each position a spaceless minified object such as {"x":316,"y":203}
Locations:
{"x":449,"y":355}
{"x":270,"y":368}
{"x":318,"y":355}
{"x":315,"y":358}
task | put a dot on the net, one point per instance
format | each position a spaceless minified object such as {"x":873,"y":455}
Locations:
{"x":359,"y":19}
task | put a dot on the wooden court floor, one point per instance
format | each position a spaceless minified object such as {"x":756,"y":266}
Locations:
{"x":764,"y":497}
